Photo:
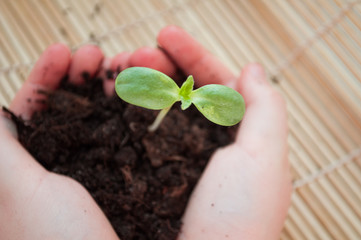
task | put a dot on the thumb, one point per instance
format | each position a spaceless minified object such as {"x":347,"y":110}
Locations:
{"x":265,"y":120}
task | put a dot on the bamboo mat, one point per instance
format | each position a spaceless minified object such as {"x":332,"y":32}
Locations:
{"x":311,"y":50}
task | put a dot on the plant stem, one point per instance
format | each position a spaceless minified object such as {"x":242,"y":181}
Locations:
{"x":159,"y":119}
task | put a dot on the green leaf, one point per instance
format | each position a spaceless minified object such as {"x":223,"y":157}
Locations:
{"x":146,"y":88}
{"x":219,"y":104}
{"x":185,"y":91}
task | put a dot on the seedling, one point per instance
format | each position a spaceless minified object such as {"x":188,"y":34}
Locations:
{"x":154,"y":90}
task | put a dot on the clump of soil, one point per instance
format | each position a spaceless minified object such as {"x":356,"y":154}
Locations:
{"x":141,"y":180}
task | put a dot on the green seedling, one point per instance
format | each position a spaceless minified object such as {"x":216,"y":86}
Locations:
{"x":154,"y":90}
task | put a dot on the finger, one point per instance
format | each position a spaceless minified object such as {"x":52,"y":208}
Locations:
{"x":85,"y":63}
{"x":46,"y":75}
{"x":113,"y":66}
{"x":152,"y":58}
{"x":120,"y":62}
{"x":265,"y":120}
{"x":193,"y":58}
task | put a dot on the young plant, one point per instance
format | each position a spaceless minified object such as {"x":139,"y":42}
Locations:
{"x":154,"y":90}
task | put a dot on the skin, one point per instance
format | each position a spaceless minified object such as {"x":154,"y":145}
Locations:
{"x":244,"y":192}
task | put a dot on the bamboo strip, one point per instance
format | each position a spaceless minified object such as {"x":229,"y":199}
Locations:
{"x":295,"y":161}
{"x":143,"y":36}
{"x":317,"y":103}
{"x":29,"y":31}
{"x":302,"y":138}
{"x":272,"y":22}
{"x":313,"y":224}
{"x":272,"y":45}
{"x":17,"y":35}
{"x":293,"y":228}
{"x":104,"y":16}
{"x":164,"y":19}
{"x":6,"y":52}
{"x":90,"y":30}
{"x":334,"y":73}
{"x":250,"y":31}
{"x":8,"y":85}
{"x":141,"y":20}
{"x":58,"y":17}
{"x":305,"y":118}
{"x":121,"y":17}
{"x":125,"y":20}
{"x":325,"y":78}
{"x":72,"y":18}
{"x":305,"y":13}
{"x":302,"y":164}
{"x":347,"y":56}
{"x":193,"y":20}
{"x":284,"y":235}
{"x":6,"y":91}
{"x":90,"y":12}
{"x":340,"y":187}
{"x":220,"y":26}
{"x":320,"y":31}
{"x":301,"y":121}
{"x":355,"y":18}
{"x":220,"y":38}
{"x":12,"y":32}
{"x":319,"y":203}
{"x":320,"y":11}
{"x":238,"y":35}
{"x":109,"y":14}
{"x":286,"y":13}
{"x":353,"y":23}
{"x":46,"y":31}
{"x":334,"y":195}
{"x":245,"y":29}
{"x":328,"y":169}
{"x":4,"y":98}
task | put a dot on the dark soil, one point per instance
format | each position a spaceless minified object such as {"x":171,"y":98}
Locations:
{"x":141,"y":180}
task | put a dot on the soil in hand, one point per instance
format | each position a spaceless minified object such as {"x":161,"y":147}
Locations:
{"x":141,"y":180}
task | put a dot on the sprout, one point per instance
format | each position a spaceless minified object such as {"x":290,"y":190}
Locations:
{"x":154,"y":90}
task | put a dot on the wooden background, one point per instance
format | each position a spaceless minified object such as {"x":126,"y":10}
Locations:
{"x":311,"y":50}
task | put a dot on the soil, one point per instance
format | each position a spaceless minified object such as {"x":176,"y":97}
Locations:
{"x":141,"y":180}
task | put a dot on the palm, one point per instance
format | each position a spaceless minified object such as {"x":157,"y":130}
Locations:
{"x":238,"y":195}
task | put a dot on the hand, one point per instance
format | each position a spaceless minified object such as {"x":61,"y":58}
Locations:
{"x":37,"y":204}
{"x":244,"y":192}
{"x":34,"y":203}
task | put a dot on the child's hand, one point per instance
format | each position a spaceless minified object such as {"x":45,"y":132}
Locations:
{"x":245,"y":190}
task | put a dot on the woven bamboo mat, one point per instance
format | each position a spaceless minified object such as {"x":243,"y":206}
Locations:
{"x":311,"y":50}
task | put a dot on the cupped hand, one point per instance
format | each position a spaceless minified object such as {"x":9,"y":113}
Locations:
{"x":34,"y":203}
{"x":244,"y":192}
